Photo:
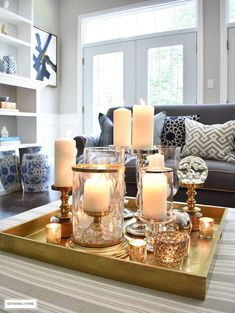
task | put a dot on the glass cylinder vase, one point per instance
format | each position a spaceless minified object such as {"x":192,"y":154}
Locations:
{"x":97,"y":205}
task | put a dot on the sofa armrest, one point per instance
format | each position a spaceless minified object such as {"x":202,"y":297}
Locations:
{"x":83,"y":141}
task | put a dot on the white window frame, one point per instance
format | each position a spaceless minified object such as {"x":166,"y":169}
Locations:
{"x":198,"y":29}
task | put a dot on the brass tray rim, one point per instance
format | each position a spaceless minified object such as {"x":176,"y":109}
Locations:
{"x":150,"y":267}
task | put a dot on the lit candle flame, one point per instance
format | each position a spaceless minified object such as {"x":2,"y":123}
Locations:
{"x":142,"y":102}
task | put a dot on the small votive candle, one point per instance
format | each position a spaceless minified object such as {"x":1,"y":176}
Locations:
{"x":53,"y":233}
{"x":138,"y":250}
{"x":206,"y":225}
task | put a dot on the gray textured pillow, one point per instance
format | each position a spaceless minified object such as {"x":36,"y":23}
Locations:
{"x":106,"y":127}
{"x":158,"y":126}
{"x":210,"y":141}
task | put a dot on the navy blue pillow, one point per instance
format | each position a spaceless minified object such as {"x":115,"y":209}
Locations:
{"x":106,"y":127}
{"x":173,"y":132}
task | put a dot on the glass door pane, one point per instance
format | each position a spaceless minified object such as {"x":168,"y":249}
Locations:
{"x":109,"y":74}
{"x":165,"y":75}
{"x":108,"y":78}
{"x":167,"y":69}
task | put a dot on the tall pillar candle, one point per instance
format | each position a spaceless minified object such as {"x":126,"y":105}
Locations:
{"x":154,"y":196}
{"x":122,"y":127}
{"x":156,"y":160}
{"x":143,"y":121}
{"x":65,"y":158}
{"x":96,"y":195}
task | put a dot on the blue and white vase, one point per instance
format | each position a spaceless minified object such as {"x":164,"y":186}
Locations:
{"x":11,"y":64}
{"x":9,"y":173}
{"x":35,"y":172}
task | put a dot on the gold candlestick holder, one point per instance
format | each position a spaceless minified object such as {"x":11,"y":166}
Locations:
{"x":191,"y":208}
{"x":64,"y":216}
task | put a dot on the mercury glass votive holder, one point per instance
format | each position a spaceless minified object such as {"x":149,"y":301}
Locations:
{"x":53,"y":233}
{"x":206,"y":225}
{"x":171,"y":248}
{"x":137,"y":250}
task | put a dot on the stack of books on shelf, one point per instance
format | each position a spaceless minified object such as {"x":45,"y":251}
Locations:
{"x":7,"y":106}
{"x":7,"y":141}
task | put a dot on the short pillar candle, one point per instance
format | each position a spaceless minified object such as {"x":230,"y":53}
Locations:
{"x":53,"y":233}
{"x":206,"y":225}
{"x":138,"y":250}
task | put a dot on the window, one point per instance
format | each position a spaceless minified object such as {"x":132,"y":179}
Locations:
{"x":231,"y":11}
{"x":146,"y":20}
{"x":160,"y":68}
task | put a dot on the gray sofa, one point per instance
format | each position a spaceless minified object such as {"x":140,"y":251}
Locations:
{"x":219,"y":188}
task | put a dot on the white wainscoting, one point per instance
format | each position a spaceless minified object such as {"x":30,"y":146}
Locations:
{"x":69,"y":125}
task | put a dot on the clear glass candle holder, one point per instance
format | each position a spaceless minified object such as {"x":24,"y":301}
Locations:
{"x":97,"y":205}
{"x":53,"y":233}
{"x":171,"y":248}
{"x":101,"y":155}
{"x":137,"y":250}
{"x":206,"y":225}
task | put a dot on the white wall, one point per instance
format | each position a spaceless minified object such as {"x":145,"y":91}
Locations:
{"x":211,"y":44}
{"x":46,"y":17}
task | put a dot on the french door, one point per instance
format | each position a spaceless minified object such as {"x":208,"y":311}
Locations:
{"x":109,"y":72}
{"x":231,"y":65}
{"x":161,"y":70}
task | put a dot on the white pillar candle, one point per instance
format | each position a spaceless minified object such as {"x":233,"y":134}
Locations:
{"x":143,"y":120}
{"x":156,"y":160}
{"x":96,"y":195}
{"x":65,"y":158}
{"x":122,"y":127}
{"x":154,"y":196}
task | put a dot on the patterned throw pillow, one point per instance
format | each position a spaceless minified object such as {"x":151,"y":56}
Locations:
{"x":210,"y":141}
{"x":106,"y":127}
{"x":173,"y":132}
{"x":158,"y":125}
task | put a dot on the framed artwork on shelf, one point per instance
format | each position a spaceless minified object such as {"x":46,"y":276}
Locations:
{"x":44,"y":56}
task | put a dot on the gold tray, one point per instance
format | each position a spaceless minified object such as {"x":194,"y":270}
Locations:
{"x":192,"y":280}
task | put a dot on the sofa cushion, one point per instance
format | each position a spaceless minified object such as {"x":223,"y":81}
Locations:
{"x":173,"y":132}
{"x":221,"y":175}
{"x":210,"y":141}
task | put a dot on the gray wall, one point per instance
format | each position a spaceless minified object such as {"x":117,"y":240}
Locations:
{"x":46,"y":17}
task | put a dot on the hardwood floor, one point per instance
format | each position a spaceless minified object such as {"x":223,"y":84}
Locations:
{"x":19,"y":201}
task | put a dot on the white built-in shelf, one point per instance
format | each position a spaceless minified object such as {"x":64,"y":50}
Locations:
{"x":20,"y":81}
{"x":12,"y":41}
{"x":17,"y":113}
{"x":12,"y":18}
{"x":16,"y":147}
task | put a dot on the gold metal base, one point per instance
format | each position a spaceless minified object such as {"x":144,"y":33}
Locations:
{"x":191,"y":207}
